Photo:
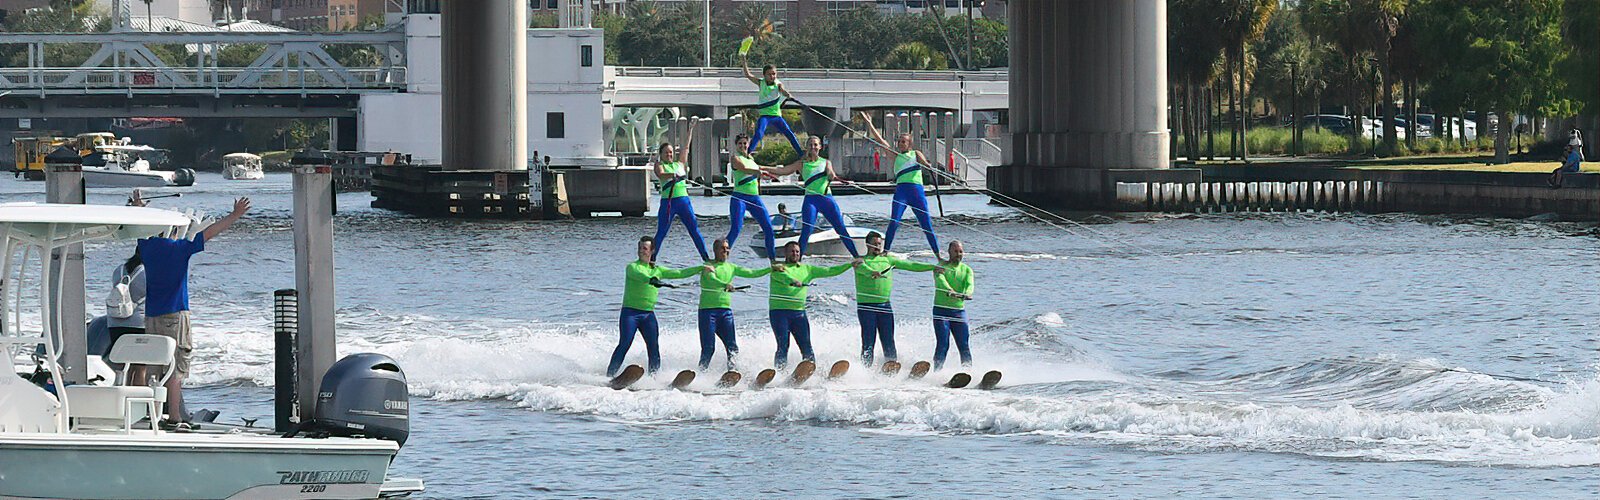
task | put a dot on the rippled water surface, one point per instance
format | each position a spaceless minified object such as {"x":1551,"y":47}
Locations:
{"x":1145,"y":356}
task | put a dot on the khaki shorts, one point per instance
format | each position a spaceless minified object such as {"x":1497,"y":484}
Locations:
{"x":176,"y":326}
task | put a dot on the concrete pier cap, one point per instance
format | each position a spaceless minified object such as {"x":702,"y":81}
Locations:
{"x":1088,"y":102}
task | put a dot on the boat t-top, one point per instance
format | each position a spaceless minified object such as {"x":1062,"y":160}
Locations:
{"x":98,"y":442}
{"x":241,"y":167}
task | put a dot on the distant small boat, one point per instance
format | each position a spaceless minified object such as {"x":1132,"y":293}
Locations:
{"x":242,"y":167}
{"x":120,"y":165}
{"x":824,"y":240}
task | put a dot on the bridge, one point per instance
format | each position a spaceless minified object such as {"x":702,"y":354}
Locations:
{"x":834,"y":89}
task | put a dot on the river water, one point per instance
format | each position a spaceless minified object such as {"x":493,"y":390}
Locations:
{"x":1266,"y":355}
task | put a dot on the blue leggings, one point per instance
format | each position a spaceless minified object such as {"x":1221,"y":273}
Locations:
{"x":776,"y":122}
{"x":912,"y":195}
{"x":716,"y":324}
{"x":786,"y":323}
{"x":737,"y":206}
{"x":808,"y":216}
{"x":643,"y":322}
{"x":948,"y":322}
{"x":877,"y":325}
{"x":681,"y":208}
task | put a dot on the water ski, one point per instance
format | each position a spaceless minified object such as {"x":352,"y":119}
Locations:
{"x":891,"y":368}
{"x":802,"y":372}
{"x":628,"y":376}
{"x":990,"y":379}
{"x":958,"y":381}
{"x":920,"y":369}
{"x":764,"y":378}
{"x":683,"y":379}
{"x":838,"y":369}
{"x":731,"y":378}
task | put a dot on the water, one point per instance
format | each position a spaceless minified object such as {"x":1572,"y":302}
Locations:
{"x":1215,"y":356}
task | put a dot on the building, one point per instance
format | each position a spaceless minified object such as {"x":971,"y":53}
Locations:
{"x":566,"y":80}
{"x":320,"y":15}
{"x":797,"y":12}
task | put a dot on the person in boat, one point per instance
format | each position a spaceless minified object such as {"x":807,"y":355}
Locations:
{"x":874,"y":282}
{"x":786,"y":305}
{"x":129,"y":273}
{"x":952,"y":289}
{"x":747,"y":196}
{"x":908,"y":189}
{"x":769,"y":106}
{"x":641,"y":284}
{"x":166,"y":263}
{"x":673,"y":172}
{"x":817,"y":175}
{"x":1571,"y":159}
{"x":716,"y":302}
{"x":783,"y":220}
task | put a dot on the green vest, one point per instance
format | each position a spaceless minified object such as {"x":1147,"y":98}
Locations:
{"x":769,"y":94}
{"x":745,"y":182}
{"x":674,"y":186}
{"x":815,"y":176}
{"x":906,"y":169}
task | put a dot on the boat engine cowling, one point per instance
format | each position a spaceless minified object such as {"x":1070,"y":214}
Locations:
{"x":364,"y":395}
{"x":183,"y":177}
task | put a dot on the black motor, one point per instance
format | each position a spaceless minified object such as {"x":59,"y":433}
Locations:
{"x":363,"y":395}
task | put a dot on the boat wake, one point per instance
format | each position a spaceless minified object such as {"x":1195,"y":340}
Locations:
{"x":1057,"y":389}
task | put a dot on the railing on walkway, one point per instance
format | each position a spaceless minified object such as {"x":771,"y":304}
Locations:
{"x":816,"y":73}
{"x":139,"y":79}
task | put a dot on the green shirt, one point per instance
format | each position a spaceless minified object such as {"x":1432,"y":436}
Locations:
{"x":814,"y":174}
{"x":638,"y":293}
{"x":875,"y":290}
{"x":788,"y":297}
{"x":714,"y":292}
{"x":906,"y":169}
{"x":769,"y":93}
{"x":674,"y":185}
{"x":745,"y":182}
{"x":955,"y":278}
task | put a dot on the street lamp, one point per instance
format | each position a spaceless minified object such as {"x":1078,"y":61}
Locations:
{"x":1294,"y":108}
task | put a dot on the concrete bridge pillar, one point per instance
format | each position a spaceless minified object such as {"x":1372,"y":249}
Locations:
{"x":1088,"y":96}
{"x":485,"y":86}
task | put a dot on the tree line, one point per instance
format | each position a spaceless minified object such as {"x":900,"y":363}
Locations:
{"x":671,"y":34}
{"x":1463,"y":59}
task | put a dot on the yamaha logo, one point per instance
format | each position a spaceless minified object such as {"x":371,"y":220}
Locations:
{"x":396,"y":405}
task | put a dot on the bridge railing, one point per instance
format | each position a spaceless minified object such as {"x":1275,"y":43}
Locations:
{"x":165,"y":80}
{"x":816,"y":73}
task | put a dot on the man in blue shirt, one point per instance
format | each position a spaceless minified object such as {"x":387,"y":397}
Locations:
{"x":166,"y":264}
{"x":1571,"y":159}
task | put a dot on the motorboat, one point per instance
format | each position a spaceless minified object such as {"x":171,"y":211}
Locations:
{"x":241,"y":167}
{"x":128,"y":166}
{"x":92,"y":441}
{"x":824,"y":240}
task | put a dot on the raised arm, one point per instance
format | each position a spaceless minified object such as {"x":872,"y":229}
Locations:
{"x":678,"y":274}
{"x":745,"y":272}
{"x":828,"y":272}
{"x":240,"y":206}
{"x":742,"y":164}
{"x":744,"y":62}
{"x":683,"y":156}
{"x":911,"y":265}
{"x":874,"y":137}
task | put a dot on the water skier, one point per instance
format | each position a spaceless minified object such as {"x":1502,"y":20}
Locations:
{"x":673,"y":172}
{"x":874,"y":283}
{"x":787,"y":303}
{"x":908,"y":188}
{"x":816,"y":173}
{"x":747,"y":195}
{"x":952,"y":289}
{"x":642,"y":279}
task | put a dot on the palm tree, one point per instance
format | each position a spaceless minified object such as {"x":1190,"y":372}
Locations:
{"x":753,"y":20}
{"x":914,"y":55}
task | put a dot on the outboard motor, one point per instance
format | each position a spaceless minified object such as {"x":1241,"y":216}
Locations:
{"x":183,"y":177}
{"x":363,"y":395}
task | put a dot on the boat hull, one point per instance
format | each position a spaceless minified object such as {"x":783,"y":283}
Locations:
{"x":825,"y":242}
{"x":105,"y":178}
{"x":190,"y":466}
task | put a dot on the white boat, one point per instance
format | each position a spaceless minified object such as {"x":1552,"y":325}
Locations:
{"x":96,"y":442}
{"x":125,"y":166}
{"x":824,"y":240}
{"x":242,"y":167}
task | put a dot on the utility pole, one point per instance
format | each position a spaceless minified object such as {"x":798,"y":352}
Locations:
{"x":707,"y":27}
{"x":971,"y":66}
